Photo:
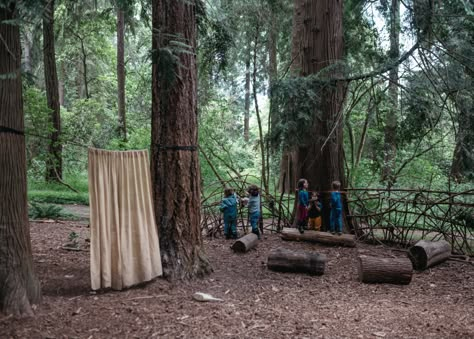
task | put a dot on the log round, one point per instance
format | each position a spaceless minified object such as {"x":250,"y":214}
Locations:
{"x":385,"y":270}
{"x":283,"y":260}
{"x":429,"y":253}
{"x":292,"y":234}
{"x":245,"y":243}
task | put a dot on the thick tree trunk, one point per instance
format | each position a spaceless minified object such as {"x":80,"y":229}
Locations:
{"x":391,"y":119}
{"x":19,"y":286}
{"x":429,"y":253}
{"x":246,"y":243}
{"x":283,"y":260}
{"x":292,"y":234}
{"x":121,"y":74}
{"x":54,"y":161}
{"x":175,"y":161}
{"x":320,"y":46}
{"x":385,"y":270}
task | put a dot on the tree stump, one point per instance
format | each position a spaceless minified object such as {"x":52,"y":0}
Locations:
{"x":283,"y":260}
{"x":292,"y":234}
{"x":385,"y":270}
{"x":245,"y":243}
{"x":429,"y":253}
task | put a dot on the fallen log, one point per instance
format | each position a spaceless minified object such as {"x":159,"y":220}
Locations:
{"x":245,"y":243}
{"x":429,"y":253}
{"x":292,"y":234}
{"x":384,"y":270}
{"x":283,"y":260}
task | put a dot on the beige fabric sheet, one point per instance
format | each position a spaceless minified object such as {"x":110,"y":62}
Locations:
{"x":124,"y":240}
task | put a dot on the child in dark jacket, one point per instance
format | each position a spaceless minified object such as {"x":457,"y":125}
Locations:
{"x":254,"y":208}
{"x":303,"y":204}
{"x":314,"y":212}
{"x":229,"y":207}
{"x":336,"y":209}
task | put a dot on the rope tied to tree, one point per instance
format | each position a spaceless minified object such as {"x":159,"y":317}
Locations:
{"x":4,"y":129}
{"x":191,"y":148}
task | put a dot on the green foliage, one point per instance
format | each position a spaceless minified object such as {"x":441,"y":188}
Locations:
{"x":47,"y":211}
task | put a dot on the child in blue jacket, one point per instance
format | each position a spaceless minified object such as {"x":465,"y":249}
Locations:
{"x":336,"y":209}
{"x":229,"y":207}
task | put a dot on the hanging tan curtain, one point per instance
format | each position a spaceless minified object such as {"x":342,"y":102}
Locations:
{"x":124,"y":240}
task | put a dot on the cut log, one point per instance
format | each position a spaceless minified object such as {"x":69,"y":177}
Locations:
{"x":385,"y":270}
{"x":245,"y":243}
{"x":429,"y":253}
{"x":283,"y":260}
{"x":293,"y":234}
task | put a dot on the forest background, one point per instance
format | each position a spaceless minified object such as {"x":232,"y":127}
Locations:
{"x":424,"y":116}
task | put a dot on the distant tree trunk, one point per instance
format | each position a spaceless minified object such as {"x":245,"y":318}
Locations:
{"x":321,"y":160}
{"x":27,"y":49}
{"x":272,"y":77}
{"x":19,"y":286}
{"x":247,"y":93}
{"x":175,"y":161}
{"x":288,"y":164}
{"x":257,"y":111}
{"x":390,"y":143}
{"x":121,"y":73}
{"x":54,"y":161}
{"x":463,"y":156}
{"x":61,"y":78}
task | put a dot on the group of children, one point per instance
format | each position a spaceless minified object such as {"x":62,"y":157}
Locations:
{"x":229,"y":208}
{"x":309,"y":209}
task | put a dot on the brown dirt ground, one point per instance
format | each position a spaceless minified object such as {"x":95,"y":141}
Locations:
{"x":439,"y":302}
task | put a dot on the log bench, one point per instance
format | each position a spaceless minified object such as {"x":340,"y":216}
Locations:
{"x":292,"y":234}
{"x":284,"y":260}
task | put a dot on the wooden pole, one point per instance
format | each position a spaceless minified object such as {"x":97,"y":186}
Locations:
{"x":429,"y":253}
{"x":384,"y":270}
{"x":283,"y":260}
{"x":292,"y":234}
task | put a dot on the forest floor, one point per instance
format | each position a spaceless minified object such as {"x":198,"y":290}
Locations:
{"x":438,"y":303}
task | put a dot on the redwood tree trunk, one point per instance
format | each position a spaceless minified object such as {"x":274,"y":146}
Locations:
{"x":321,"y":160}
{"x":121,"y":73}
{"x":19,"y":287}
{"x":175,"y":161}
{"x":54,"y":161}
{"x":390,"y":143}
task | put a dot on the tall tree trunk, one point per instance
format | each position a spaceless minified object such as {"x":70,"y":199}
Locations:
{"x":19,"y":286}
{"x":61,"y":79}
{"x":390,"y":142}
{"x":247,"y":93}
{"x":121,"y":73}
{"x":463,"y":156}
{"x":257,"y":112}
{"x":321,"y":160}
{"x":54,"y":161}
{"x":288,"y":164}
{"x":27,"y":49}
{"x":175,"y":161}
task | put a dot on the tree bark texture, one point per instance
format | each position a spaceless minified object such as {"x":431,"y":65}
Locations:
{"x":320,"y":45}
{"x":54,"y":160}
{"x":292,"y":234}
{"x":283,"y":260}
{"x":175,"y":161}
{"x":245,"y":243}
{"x":391,"y":119}
{"x":429,"y":253}
{"x":384,"y":270}
{"x":19,"y":287}
{"x":121,"y":73}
